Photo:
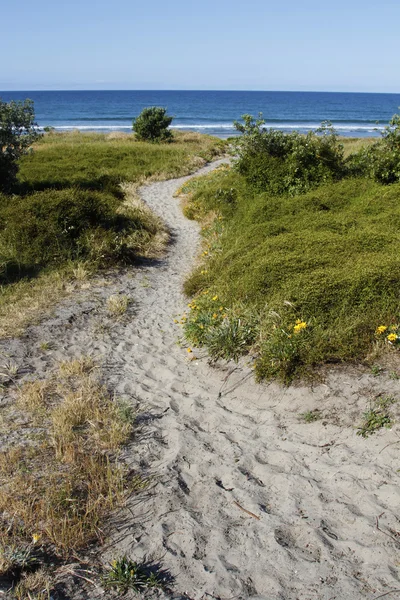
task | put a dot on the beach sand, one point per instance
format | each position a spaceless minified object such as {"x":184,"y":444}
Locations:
{"x":246,"y":499}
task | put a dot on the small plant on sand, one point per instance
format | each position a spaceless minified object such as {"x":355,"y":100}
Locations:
{"x":152,"y":125}
{"x":117,"y":304}
{"x":44,"y":346}
{"x":311,"y":415}
{"x":377,"y":417}
{"x":125,"y":574}
{"x":283,"y":341}
{"x":225,"y":334}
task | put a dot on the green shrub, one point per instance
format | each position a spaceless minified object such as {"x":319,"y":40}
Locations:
{"x":53,"y":226}
{"x":287,"y":163}
{"x":152,"y":125}
{"x":17,"y":133}
{"x":381,"y":160}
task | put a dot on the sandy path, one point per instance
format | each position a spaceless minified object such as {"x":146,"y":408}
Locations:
{"x":248,"y":500}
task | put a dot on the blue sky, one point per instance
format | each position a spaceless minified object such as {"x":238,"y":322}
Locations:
{"x":348,"y":45}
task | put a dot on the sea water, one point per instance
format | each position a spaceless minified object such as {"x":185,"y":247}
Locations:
{"x":213,"y":112}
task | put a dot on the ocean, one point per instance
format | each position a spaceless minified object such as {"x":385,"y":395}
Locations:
{"x":213,"y":112}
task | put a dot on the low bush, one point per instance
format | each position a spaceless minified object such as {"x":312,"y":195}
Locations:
{"x":281,"y":163}
{"x":314,"y":275}
{"x":54,"y":226}
{"x":380,"y":161}
{"x":152,"y":125}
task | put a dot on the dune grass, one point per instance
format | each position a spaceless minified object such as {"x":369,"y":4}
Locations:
{"x":75,"y":204}
{"x":299,"y":280}
{"x":60,"y":472}
{"x":100,"y":161}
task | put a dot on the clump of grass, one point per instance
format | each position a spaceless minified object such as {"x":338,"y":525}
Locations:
{"x":44,"y":346}
{"x":377,"y":417}
{"x":125,"y":574}
{"x":34,"y":586}
{"x":326,"y":258}
{"x":310,"y":416}
{"x":77,"y":367}
{"x":117,"y":304}
{"x":55,"y":494}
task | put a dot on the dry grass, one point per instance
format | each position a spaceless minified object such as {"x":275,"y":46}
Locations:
{"x":117,"y":305}
{"x":24,"y":302}
{"x":155,"y":246}
{"x":34,"y":586}
{"x":77,"y":367}
{"x":352,"y":145}
{"x":57,"y":488}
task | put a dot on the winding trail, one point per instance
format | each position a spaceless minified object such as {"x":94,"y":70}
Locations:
{"x":248,"y":500}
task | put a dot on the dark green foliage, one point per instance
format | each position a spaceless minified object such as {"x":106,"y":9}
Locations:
{"x":50,"y":227}
{"x":17,"y":133}
{"x":152,"y":125}
{"x":281,"y":163}
{"x":381,"y":160}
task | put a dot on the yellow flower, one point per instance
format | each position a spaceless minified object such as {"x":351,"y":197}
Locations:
{"x":36,"y":537}
{"x":381,"y":329}
{"x":300,"y":325}
{"x":189,"y":350}
{"x":215,"y":298}
{"x":215,"y":315}
{"x":221,"y":308}
{"x":392,"y":337}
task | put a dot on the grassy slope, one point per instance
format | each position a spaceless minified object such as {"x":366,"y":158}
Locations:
{"x":331,"y":253}
{"x":89,"y":169}
{"x":95,"y":160}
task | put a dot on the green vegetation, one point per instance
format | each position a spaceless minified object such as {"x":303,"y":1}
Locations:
{"x":377,"y":417}
{"x":152,"y":125}
{"x":125,"y":574}
{"x":380,"y":161}
{"x":287,"y":163}
{"x":311,"y":415}
{"x":299,"y":279}
{"x":69,"y":214}
{"x":17,"y":133}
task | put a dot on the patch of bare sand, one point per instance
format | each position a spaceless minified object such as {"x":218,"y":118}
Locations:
{"x":247,"y":500}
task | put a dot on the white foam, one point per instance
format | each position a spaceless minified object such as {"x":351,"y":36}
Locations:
{"x":228,"y":126}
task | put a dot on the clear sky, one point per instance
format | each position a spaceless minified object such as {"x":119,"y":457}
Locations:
{"x":339,"y":45}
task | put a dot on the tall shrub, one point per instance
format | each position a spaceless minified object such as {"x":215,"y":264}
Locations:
{"x":17,"y":133}
{"x":287,"y":163}
{"x":152,"y":125}
{"x":381,"y":160}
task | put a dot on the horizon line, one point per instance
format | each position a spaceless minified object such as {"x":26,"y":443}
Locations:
{"x":203,"y":90}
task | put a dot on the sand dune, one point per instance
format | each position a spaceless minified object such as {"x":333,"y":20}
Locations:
{"x":247,"y":500}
